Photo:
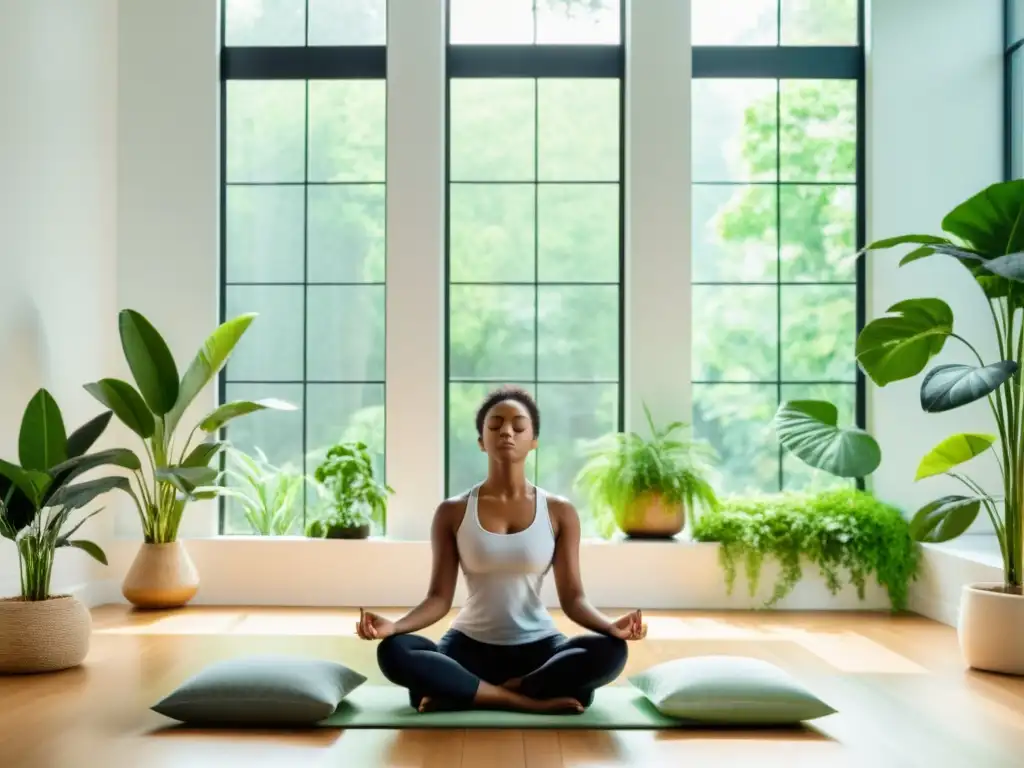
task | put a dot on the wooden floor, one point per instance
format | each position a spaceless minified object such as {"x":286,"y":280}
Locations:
{"x":903,"y":695}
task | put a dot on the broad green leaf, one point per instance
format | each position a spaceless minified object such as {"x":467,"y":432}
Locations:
{"x":187,"y":479}
{"x":150,"y":361}
{"x":121,"y":397}
{"x":83,"y":438}
{"x":991,"y":221}
{"x":950,"y":386}
{"x":900,"y":345}
{"x":944,"y":519}
{"x":202,"y":454}
{"x":918,"y":253}
{"x":81,"y":494}
{"x":953,"y":451}
{"x":43,"y":440}
{"x":116,"y":457}
{"x":965,"y":255}
{"x":217,"y":418}
{"x":808,"y":429}
{"x":1010,"y":266}
{"x":89,"y":548}
{"x":207,"y":362}
{"x":31,"y":482}
{"x":891,"y":242}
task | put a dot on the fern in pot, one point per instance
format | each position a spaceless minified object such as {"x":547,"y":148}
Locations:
{"x":352,"y":500}
{"x":40,"y":631}
{"x":644,"y":485}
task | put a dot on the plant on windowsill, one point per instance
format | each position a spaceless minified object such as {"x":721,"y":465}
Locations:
{"x":843,"y":532}
{"x":177,"y":467}
{"x":270,"y":496}
{"x":985,"y":234}
{"x":40,"y":631}
{"x":352,"y":498}
{"x":643,"y":486}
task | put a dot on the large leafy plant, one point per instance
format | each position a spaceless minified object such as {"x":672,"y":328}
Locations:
{"x":178,"y":468}
{"x":39,"y":494}
{"x":985,"y":234}
{"x":622,"y":466}
{"x":352,"y":496}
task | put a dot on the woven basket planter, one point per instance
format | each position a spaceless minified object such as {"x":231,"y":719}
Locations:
{"x":44,"y":635}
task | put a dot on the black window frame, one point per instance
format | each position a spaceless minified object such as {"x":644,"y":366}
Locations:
{"x":1013,"y":91}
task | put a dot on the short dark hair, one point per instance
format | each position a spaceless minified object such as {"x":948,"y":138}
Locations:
{"x":519,"y":395}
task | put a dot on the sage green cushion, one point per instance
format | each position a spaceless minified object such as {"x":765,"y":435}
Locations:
{"x":728,"y":690}
{"x":261,"y":690}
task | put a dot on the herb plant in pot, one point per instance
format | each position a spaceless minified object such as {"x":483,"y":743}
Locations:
{"x":41,"y":631}
{"x":177,"y":467}
{"x":985,"y":234}
{"x":644,"y":486}
{"x":353,"y":499}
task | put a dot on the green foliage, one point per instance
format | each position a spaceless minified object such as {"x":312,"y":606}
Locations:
{"x":951,"y":452}
{"x":37,"y":498}
{"x":177,"y":472}
{"x":809,"y":429}
{"x":899,"y":345}
{"x":353,"y":496}
{"x":270,"y":496}
{"x":623,"y":466}
{"x":847,"y":534}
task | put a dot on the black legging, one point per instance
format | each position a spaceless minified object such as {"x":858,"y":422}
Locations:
{"x":451,"y":671}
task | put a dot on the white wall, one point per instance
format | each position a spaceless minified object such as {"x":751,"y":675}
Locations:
{"x":934,"y":139}
{"x":58,"y":88}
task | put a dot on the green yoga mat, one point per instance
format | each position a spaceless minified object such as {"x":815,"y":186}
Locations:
{"x":386,"y":706}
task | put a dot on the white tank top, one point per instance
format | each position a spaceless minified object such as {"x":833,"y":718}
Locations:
{"x":504,"y":574}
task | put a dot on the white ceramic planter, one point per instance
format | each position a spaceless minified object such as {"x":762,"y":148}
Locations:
{"x":991,"y":629}
{"x":43,"y":635}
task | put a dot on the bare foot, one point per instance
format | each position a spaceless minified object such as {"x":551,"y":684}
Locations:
{"x":426,"y":704}
{"x":500,"y":697}
{"x":565,"y":705}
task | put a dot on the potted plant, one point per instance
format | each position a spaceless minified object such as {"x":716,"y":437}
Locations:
{"x":986,"y":235}
{"x":353,"y":500}
{"x":270,"y":496}
{"x":40,"y":631}
{"x":177,"y":467}
{"x":644,"y":485}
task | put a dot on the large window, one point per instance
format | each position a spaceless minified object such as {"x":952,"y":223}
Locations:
{"x":534,"y":224}
{"x":1014,"y":78}
{"x":777,"y":219}
{"x":303,"y":227}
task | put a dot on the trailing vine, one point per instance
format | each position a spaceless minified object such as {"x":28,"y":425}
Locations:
{"x":845,"y":533}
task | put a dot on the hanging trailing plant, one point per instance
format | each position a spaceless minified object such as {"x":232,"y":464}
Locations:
{"x":849,"y":535}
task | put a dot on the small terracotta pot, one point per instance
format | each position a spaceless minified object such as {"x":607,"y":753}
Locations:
{"x":991,"y":628}
{"x":162,"y":576}
{"x":650,"y":517}
{"x":43,"y":635}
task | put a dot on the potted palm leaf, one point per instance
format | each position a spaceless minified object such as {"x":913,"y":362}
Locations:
{"x":985,"y":234}
{"x":643,"y":485}
{"x":352,"y":498}
{"x":41,"y":631}
{"x":177,"y":468}
{"x":270,"y":497}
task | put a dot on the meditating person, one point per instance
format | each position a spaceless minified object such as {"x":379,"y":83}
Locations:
{"x":503,"y":649}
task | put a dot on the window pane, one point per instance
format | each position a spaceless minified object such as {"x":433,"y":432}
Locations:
{"x":1016,"y":126}
{"x":736,"y":419}
{"x":734,"y":233}
{"x":566,"y":153}
{"x":491,"y":332}
{"x":265,"y":231}
{"x":819,"y":22}
{"x":347,"y":130}
{"x":344,"y":413}
{"x":578,"y":233}
{"x":735,"y":334}
{"x":491,"y":234}
{"x":265,"y":128}
{"x":735,"y":127}
{"x":578,"y":333}
{"x":346,"y":233}
{"x":797,"y":476}
{"x":1015,"y":22}
{"x":277,"y":433}
{"x":492,"y":130}
{"x":345,"y":333}
{"x":467,"y":464}
{"x":734,"y":22}
{"x":571,"y":21}
{"x":819,"y":130}
{"x":265,"y":22}
{"x":271,"y":350}
{"x":484,"y":22}
{"x":348,"y":22}
{"x":818,"y":233}
{"x":819,"y":325}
